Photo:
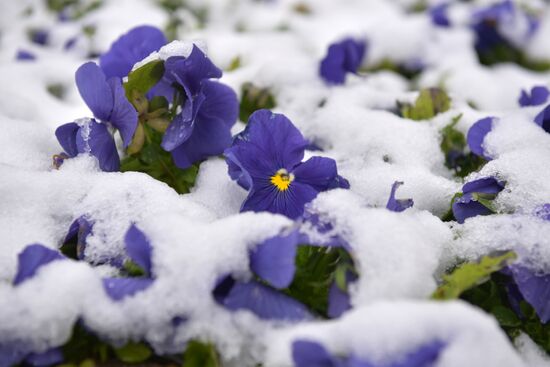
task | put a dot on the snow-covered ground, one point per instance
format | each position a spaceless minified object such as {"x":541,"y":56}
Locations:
{"x":200,"y":236}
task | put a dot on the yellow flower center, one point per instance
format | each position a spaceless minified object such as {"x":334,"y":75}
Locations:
{"x":282,"y":179}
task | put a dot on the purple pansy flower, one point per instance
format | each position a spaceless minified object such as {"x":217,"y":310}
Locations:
{"x":438,"y":14}
{"x":476,"y":136}
{"x":539,"y":95}
{"x":492,"y":25}
{"x":209,"y":109}
{"x":342,"y":57}
{"x":398,"y":205}
{"x":339,"y":299}
{"x":306,"y":353}
{"x":476,"y":196}
{"x":24,"y":55}
{"x":79,"y":230}
{"x":266,"y":159}
{"x":13,"y":354}
{"x":543,"y":119}
{"x":273,"y":262}
{"x":130,"y":48}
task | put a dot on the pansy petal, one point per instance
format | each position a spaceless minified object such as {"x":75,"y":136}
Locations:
{"x":338,"y":301}
{"x":210,"y":138}
{"x":182,"y":127}
{"x":290,"y":202}
{"x":535,"y":288}
{"x":274,"y":259}
{"x":124,"y":116}
{"x":477,"y":134}
{"x":317,"y":172}
{"x":398,"y":205}
{"x":266,"y":303}
{"x":438,"y":14}
{"x":130,"y":48}
{"x":331,"y":69}
{"x":354,"y":51}
{"x":81,"y":228}
{"x":192,"y":70}
{"x":276,"y":139}
{"x":11,"y":355}
{"x":425,"y":356}
{"x":485,"y":185}
{"x":539,"y":95}
{"x":66,"y":136}
{"x":32,"y":258}
{"x":50,"y":357}
{"x":306,"y":353}
{"x":465,"y":207}
{"x":138,"y":248}
{"x":543,"y":119}
{"x":95,"y":90}
{"x":119,"y":288}
{"x":220,"y":103}
{"x":100,"y":143}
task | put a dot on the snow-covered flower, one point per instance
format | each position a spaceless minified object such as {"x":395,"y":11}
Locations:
{"x":476,"y":198}
{"x":209,"y":109}
{"x":342,"y":57}
{"x":266,"y":159}
{"x":107,"y":101}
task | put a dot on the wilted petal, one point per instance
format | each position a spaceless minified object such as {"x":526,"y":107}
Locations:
{"x":130,"y":48}
{"x":138,"y":248}
{"x":264,"y":302}
{"x":32,"y":258}
{"x":95,"y":90}
{"x":120,"y":288}
{"x":398,"y":205}
{"x":124,"y":116}
{"x":477,"y":134}
{"x":273,"y":260}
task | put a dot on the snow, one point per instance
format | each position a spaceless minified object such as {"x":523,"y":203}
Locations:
{"x":199,"y":236}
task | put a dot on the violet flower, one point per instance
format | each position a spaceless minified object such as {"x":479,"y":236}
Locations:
{"x":266,"y":159}
{"x":306,"y":353}
{"x":209,"y":109}
{"x":476,"y":135}
{"x":538,"y":96}
{"x":342,"y":57}
{"x":127,"y":50}
{"x":543,"y":119}
{"x":398,"y":205}
{"x":533,"y":287}
{"x":476,"y":198}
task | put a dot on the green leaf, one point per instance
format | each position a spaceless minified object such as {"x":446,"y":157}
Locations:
{"x":133,"y":269}
{"x":144,"y":78}
{"x":200,"y":354}
{"x":254,"y":98}
{"x":133,"y":353}
{"x":469,"y":275}
{"x":234,"y":64}
{"x":505,"y":316}
{"x":430,"y":102}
